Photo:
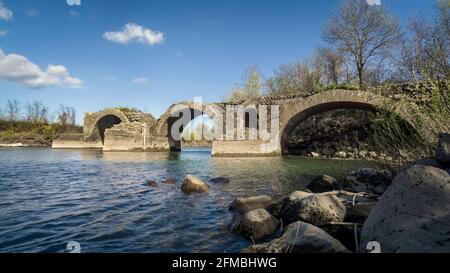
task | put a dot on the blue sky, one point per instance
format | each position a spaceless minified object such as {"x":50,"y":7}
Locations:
{"x":182,"y":48}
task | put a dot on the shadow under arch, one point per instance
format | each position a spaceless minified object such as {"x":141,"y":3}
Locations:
{"x":172,"y":117}
{"x":301,"y":116}
{"x":95,"y":124}
{"x":106,"y":122}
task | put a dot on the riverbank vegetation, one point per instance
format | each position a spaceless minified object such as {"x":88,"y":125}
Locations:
{"x":34,"y":124}
{"x":366,"y":48}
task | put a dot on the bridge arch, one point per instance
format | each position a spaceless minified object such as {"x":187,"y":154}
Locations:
{"x":294,"y":111}
{"x":175,"y":112}
{"x":98,"y":122}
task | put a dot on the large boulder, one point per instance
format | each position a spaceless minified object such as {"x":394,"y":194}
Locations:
{"x":300,"y":237}
{"x":413,"y":215}
{"x":244,"y":205}
{"x":193,"y":184}
{"x":323,"y":183}
{"x":255,"y":224}
{"x":368,"y":180}
{"x":277,"y":208}
{"x":315,"y":209}
{"x":443,"y":150}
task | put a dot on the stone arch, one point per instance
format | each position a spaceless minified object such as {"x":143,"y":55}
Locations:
{"x":98,"y":122}
{"x":164,"y":124}
{"x":295,"y":111}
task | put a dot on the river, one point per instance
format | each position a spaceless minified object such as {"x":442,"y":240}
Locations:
{"x":102,"y":201}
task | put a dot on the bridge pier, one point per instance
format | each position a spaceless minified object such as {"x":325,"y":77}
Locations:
{"x":245,"y":148}
{"x":76,"y":141}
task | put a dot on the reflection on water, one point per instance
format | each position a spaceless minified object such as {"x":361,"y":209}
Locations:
{"x":50,"y":197}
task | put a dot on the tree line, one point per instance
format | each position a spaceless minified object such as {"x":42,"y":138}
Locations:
{"x":364,"y":46}
{"x":37,"y":113}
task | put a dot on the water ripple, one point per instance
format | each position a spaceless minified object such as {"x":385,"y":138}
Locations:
{"x":49,"y":197}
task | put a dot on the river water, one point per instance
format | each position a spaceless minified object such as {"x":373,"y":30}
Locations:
{"x":102,"y":201}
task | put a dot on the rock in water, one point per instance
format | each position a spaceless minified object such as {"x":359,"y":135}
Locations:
{"x":244,"y":205}
{"x":323,"y":183}
{"x":413,"y":215}
{"x":368,"y":180}
{"x":443,"y":150}
{"x":300,"y":237}
{"x":315,"y":209}
{"x":220,"y":180}
{"x":152,"y":183}
{"x":255,"y":224}
{"x":170,"y":181}
{"x":193,"y":184}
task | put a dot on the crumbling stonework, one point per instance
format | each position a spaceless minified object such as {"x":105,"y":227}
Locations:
{"x":133,"y":130}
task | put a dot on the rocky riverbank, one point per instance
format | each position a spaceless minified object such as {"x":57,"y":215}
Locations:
{"x":369,"y":210}
{"x":404,"y":212}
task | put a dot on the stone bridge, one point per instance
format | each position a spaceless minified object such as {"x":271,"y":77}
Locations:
{"x":120,"y":130}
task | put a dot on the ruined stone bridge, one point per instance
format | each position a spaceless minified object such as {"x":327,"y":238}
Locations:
{"x":123,"y":130}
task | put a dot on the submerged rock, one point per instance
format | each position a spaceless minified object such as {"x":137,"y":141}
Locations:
{"x":413,"y":215}
{"x":244,"y":205}
{"x":255,"y":224}
{"x":368,"y":180}
{"x":193,"y":184}
{"x":443,"y":150}
{"x":220,"y":180}
{"x":300,"y":237}
{"x":323,"y":183}
{"x":152,"y":183}
{"x":170,"y":181}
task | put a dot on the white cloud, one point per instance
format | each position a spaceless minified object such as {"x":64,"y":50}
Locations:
{"x":73,"y":2}
{"x":141,"y":80}
{"x":5,"y":13}
{"x":135,"y":33}
{"x":17,"y":68}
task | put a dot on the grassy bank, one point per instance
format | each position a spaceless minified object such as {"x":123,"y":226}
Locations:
{"x":32,"y":133}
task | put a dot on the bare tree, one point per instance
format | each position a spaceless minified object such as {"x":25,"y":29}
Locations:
{"x":66,"y":115}
{"x":332,"y":63}
{"x":295,"y":79}
{"x":250,"y":88}
{"x":36,"y":112}
{"x":362,"y":31}
{"x":12,"y":110}
{"x":425,"y":51}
